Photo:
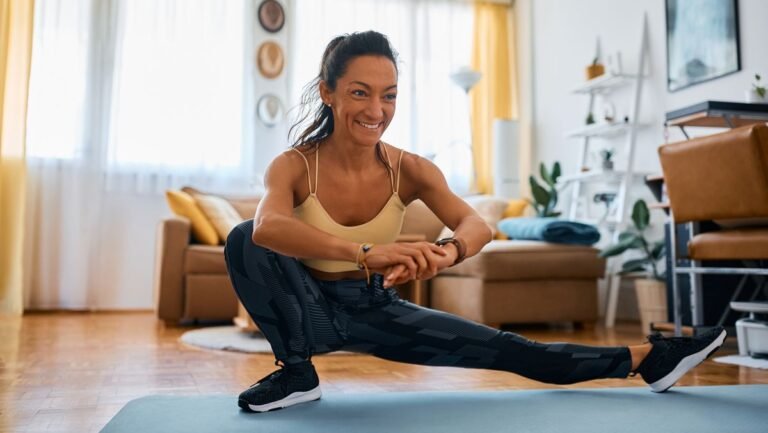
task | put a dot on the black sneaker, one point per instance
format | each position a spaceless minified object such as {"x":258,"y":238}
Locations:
{"x":671,"y":357}
{"x":292,"y":384}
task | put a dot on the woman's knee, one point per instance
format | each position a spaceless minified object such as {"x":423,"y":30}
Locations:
{"x":237,"y":239}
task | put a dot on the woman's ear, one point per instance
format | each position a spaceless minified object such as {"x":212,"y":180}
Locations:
{"x":325,"y":93}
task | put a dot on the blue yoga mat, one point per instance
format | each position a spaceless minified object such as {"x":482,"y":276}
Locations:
{"x":703,"y":409}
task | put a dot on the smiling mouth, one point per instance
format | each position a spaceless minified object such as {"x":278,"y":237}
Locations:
{"x":371,"y":126}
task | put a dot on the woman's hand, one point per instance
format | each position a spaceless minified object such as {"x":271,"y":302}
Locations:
{"x":399,"y":274}
{"x":414,"y":258}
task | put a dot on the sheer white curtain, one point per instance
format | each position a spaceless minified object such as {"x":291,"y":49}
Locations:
{"x":432,"y":38}
{"x":127,"y":98}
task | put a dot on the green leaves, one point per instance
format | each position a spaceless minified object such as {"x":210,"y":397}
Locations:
{"x":640,"y":215}
{"x":636,"y":240}
{"x":627,"y":240}
{"x":545,"y":196}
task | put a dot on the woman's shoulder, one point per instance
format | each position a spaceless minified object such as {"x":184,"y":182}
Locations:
{"x":416,"y":172}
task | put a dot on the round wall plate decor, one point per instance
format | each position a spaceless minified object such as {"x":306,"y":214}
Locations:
{"x":269,"y":110}
{"x":270,"y":59}
{"x":271,"y":16}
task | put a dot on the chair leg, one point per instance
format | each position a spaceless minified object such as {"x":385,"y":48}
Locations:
{"x":677,"y":305}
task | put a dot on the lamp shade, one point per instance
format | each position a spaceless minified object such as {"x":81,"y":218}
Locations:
{"x":465,"y":77}
{"x":506,"y":173}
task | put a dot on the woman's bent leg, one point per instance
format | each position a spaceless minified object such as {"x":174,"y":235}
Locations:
{"x":281,"y":297}
{"x":404,"y":332}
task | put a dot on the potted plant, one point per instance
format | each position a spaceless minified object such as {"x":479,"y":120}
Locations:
{"x":545,"y":199}
{"x":607,"y":161}
{"x":651,"y":289}
{"x":757,"y":93}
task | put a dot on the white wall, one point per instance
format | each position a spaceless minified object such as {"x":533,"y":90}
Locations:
{"x":564,"y":33}
{"x":563,"y":43}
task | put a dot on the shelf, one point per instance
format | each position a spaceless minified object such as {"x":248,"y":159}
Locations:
{"x":598,"y":176}
{"x":604,"y":83}
{"x":605,"y":129}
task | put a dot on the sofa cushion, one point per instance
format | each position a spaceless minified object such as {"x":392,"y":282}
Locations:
{"x":182,"y":204}
{"x":204,"y":259}
{"x":530,"y":260}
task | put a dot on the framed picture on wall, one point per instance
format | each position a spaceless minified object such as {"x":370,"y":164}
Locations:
{"x":702,"y":41}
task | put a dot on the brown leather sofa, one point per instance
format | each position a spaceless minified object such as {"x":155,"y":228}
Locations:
{"x":508,"y":282}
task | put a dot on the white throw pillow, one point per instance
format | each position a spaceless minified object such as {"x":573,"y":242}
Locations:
{"x":491,"y":210}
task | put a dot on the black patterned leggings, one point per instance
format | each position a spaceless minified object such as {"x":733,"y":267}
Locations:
{"x":300,"y":316}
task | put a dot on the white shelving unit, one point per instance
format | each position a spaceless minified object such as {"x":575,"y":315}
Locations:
{"x":623,"y":177}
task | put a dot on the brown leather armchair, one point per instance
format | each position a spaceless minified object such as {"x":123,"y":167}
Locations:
{"x":721,"y":177}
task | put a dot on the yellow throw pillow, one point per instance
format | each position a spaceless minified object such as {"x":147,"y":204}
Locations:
{"x":515,"y":208}
{"x":182,"y":204}
{"x":222,"y":215}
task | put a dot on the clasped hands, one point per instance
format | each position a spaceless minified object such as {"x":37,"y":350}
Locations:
{"x":401,"y":262}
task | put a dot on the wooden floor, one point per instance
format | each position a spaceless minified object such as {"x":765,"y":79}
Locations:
{"x":73,"y":372}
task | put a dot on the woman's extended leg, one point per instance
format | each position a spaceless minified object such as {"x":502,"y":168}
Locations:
{"x":404,"y":332}
{"x":401,"y":331}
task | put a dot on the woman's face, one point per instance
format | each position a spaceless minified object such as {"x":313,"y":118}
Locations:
{"x":364,"y":100}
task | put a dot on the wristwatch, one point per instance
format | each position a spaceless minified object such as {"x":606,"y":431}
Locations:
{"x":460,"y":248}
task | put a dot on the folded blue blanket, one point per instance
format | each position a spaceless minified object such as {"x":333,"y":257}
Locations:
{"x":550,"y":230}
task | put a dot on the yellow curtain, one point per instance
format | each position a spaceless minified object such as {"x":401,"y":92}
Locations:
{"x":16,"y":19}
{"x":495,"y":95}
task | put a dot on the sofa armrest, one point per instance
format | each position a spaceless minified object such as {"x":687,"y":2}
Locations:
{"x":173,"y":238}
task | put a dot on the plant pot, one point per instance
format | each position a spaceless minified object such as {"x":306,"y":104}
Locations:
{"x":651,"y":301}
{"x":607,"y":165}
{"x":594,"y":71}
{"x":752,"y":97}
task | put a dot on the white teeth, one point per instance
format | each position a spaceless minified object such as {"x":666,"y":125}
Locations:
{"x":369,"y":126}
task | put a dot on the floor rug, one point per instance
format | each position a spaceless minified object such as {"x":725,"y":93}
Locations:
{"x":704,"y":409}
{"x":746,"y":361}
{"x":231,"y":338}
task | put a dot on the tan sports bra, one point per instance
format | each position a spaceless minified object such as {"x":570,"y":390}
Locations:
{"x":382,"y":229}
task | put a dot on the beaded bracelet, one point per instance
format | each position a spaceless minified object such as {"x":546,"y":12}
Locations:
{"x":363,"y":250}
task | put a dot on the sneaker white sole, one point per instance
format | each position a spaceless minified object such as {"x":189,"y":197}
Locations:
{"x":294,"y":398}
{"x":686,"y":364}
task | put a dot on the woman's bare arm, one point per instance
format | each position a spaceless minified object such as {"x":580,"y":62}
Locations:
{"x":276,"y":228}
{"x":454,"y":212}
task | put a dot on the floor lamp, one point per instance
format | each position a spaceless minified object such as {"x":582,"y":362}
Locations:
{"x":466,"y":78}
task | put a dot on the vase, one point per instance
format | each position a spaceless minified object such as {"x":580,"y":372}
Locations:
{"x":651,"y":301}
{"x":595,"y":70}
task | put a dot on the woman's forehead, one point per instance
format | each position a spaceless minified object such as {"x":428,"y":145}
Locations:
{"x":373,"y":71}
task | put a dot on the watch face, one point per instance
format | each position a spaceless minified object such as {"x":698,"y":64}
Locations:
{"x":271,"y":16}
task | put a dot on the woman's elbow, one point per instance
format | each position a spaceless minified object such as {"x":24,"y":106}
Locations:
{"x":261,"y":226}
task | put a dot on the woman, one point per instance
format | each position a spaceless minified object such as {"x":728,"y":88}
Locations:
{"x":316,"y":266}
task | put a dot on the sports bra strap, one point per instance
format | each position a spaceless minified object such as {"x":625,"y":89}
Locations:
{"x":389,"y":165}
{"x":399,"y":164}
{"x":306,"y":163}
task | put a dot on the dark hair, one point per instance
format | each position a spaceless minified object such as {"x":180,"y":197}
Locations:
{"x":339,"y":52}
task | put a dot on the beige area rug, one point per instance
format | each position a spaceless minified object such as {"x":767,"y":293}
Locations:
{"x":231,"y":338}
{"x":744,"y":361}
